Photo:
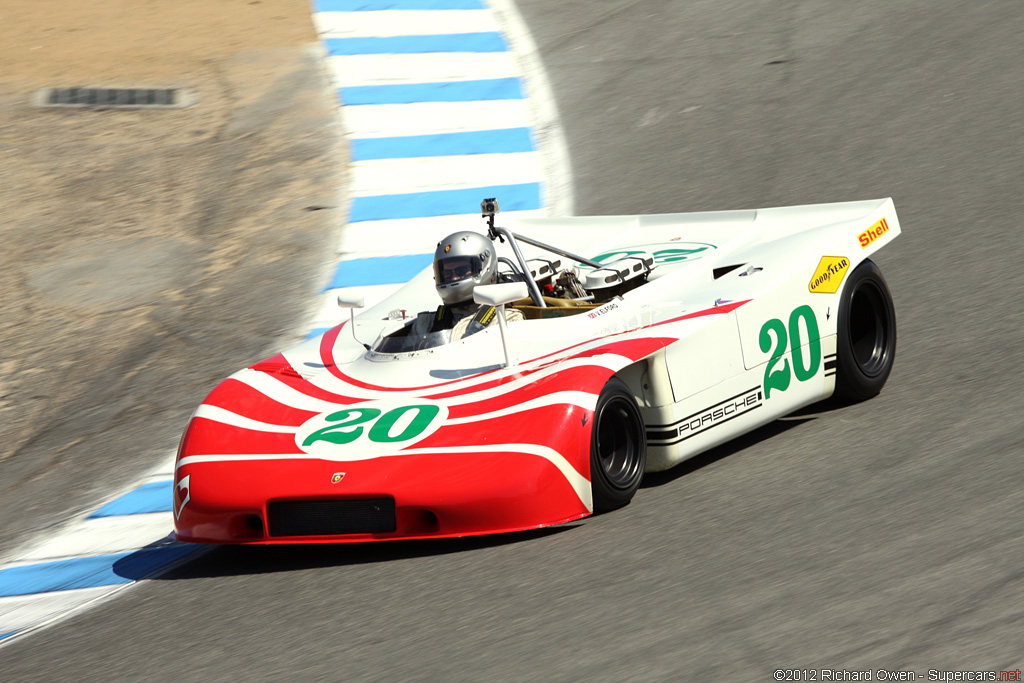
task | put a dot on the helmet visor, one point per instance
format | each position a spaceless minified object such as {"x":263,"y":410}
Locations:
{"x":456,"y":268}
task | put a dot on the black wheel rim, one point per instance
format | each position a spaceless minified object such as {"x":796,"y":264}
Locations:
{"x":618,"y":443}
{"x":869,"y":329}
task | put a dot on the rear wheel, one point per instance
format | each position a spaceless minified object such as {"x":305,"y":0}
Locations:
{"x":867,"y":335}
{"x":618,"y":447}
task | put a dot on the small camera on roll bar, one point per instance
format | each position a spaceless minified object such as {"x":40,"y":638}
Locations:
{"x":489,"y":207}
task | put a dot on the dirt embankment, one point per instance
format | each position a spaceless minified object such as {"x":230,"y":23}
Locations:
{"x":148,"y":253}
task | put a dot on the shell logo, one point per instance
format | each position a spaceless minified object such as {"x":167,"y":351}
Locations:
{"x":876,"y":230}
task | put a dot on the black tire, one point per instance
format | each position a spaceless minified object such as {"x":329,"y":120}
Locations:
{"x":618,"y":447}
{"x":867,"y":335}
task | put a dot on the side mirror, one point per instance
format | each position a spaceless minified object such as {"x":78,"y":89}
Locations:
{"x":499,"y":295}
{"x":350,"y":302}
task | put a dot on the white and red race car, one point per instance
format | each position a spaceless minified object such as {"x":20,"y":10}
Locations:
{"x":645,"y":340}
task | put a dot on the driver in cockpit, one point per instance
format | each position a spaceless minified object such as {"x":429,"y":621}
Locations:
{"x":462,"y":261}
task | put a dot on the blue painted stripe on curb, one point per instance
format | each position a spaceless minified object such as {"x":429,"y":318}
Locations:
{"x":153,"y":497}
{"x":497,"y":141}
{"x":524,"y":197}
{"x":406,"y":45}
{"x":378,"y":5}
{"x":7,"y":635}
{"x":88,"y":572}
{"x":384,"y":270}
{"x":452,"y":91}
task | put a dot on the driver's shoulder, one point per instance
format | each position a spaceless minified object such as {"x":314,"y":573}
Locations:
{"x":513,"y":315}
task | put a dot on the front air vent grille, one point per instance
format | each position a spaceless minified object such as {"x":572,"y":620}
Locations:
{"x":331,"y":517}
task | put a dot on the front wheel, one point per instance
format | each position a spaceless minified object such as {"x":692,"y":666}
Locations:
{"x":867,"y":335}
{"x":618,"y":447}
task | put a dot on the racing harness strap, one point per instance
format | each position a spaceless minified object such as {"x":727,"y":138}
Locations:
{"x":444,"y":319}
{"x":481,"y":319}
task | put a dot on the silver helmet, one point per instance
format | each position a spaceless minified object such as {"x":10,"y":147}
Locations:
{"x":462,"y":261}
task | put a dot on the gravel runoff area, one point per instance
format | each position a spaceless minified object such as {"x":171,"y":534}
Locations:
{"x":147,"y":253}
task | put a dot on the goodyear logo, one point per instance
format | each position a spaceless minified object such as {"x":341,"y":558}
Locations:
{"x":873,"y":233}
{"x":829,"y":275}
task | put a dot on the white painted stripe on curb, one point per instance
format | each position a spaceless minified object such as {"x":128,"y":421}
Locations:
{"x":425,"y":118}
{"x":433,"y":67}
{"x":19,"y":613}
{"x":102,"y":536}
{"x":415,"y":235}
{"x":389,"y":23}
{"x":431,"y":174}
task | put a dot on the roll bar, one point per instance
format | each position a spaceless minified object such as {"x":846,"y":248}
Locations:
{"x":488,"y":208}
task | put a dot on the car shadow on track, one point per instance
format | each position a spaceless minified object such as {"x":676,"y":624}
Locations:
{"x":219,"y":561}
{"x":740,"y":443}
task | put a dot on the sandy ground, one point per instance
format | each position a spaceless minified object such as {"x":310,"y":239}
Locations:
{"x":146,"y":254}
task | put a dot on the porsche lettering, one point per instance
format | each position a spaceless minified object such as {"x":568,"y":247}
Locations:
{"x":704,"y":420}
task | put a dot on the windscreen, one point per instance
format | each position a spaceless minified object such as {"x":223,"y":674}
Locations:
{"x":412,"y":342}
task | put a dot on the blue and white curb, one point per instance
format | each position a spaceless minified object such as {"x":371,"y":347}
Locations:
{"x":112,"y":548}
{"x":444,"y":103}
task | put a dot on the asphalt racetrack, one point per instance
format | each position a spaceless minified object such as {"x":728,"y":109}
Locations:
{"x":887,"y":535}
